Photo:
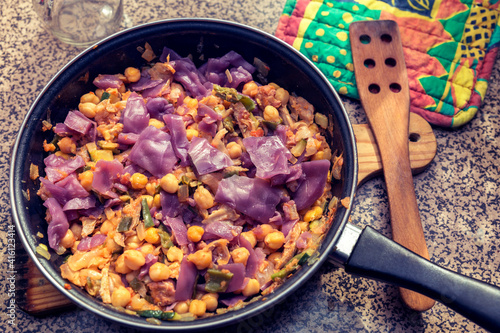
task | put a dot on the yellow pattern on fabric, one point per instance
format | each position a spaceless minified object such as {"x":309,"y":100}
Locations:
{"x":309,"y":15}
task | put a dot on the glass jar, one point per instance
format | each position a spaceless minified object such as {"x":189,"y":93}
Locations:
{"x":80,"y":22}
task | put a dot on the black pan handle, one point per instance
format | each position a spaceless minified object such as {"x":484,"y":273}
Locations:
{"x":378,"y":257}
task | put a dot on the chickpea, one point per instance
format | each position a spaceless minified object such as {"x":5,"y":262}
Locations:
{"x":181,"y":307}
{"x":211,"y":301}
{"x":190,"y":102}
{"x":106,"y":227}
{"x":282,"y":95}
{"x":194,"y":233}
{"x":157,"y":201}
{"x":264,"y":230}
{"x":147,"y":249}
{"x":240,"y":255}
{"x":120,"y":297}
{"x":67,"y":145}
{"x":86,"y":178}
{"x":88,"y":109}
{"x":152,"y":236}
{"x":190,"y":133}
{"x":203,"y":198}
{"x":175,"y":254}
{"x":197,"y":307}
{"x":271,"y":114}
{"x":137,"y":303}
{"x":251,"y":288}
{"x":132,"y":242}
{"x":151,"y":189}
{"x":234,"y":149}
{"x":133,"y":259}
{"x":159,"y":272}
{"x":120,"y":266}
{"x":202,"y":259}
{"x":250,"y":237}
{"x":169,"y":183}
{"x":138,"y":181}
{"x":313,"y":214}
{"x":274,"y":240}
{"x":89,"y":98}
{"x":156,"y":123}
{"x":68,"y":240}
{"x":132,"y":74}
{"x":250,"y":88}
{"x":274,"y":257}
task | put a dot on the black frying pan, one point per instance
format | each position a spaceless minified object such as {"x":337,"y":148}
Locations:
{"x":363,"y":252}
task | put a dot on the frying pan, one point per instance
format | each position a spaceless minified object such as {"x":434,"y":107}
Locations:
{"x":362,"y":252}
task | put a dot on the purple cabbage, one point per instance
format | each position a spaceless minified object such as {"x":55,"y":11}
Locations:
{"x":269,"y":155}
{"x":57,"y":168}
{"x":153,"y":151}
{"x":205,"y":158}
{"x":178,"y":228}
{"x":239,"y":75}
{"x":253,"y":260}
{"x":232,"y":301}
{"x":105,"y":81}
{"x":88,"y":243}
{"x":180,"y":143}
{"x":80,"y":203}
{"x":221,"y":229}
{"x":186,"y":281}
{"x":170,"y":54}
{"x":170,"y":205}
{"x":295,"y":173}
{"x":135,"y":116}
{"x":105,"y":174}
{"x":188,"y":75}
{"x":127,"y":138}
{"x":150,"y":260}
{"x":58,"y":225}
{"x":144,"y":82}
{"x":253,"y":197}
{"x":65,"y":190}
{"x":159,"y":106}
{"x":236,"y":282}
{"x":77,"y":122}
{"x":311,"y":188}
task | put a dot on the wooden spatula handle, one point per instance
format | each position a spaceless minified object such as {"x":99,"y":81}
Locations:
{"x":383,"y":88}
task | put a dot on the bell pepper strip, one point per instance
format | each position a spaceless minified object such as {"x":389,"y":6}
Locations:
{"x":124,"y":224}
{"x":231,"y":95}
{"x":146,"y":214}
{"x":158,"y":314}
{"x":217,"y":281}
{"x":166,"y":241}
{"x":292,"y":265}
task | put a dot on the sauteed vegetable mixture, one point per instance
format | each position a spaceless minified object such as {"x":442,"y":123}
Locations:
{"x":178,"y":192}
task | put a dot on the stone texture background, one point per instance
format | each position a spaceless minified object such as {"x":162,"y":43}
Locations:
{"x":458,"y":194}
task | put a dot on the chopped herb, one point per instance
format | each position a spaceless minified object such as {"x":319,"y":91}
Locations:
{"x":124,"y":224}
{"x":105,"y":95}
{"x":146,"y":214}
{"x":217,"y":281}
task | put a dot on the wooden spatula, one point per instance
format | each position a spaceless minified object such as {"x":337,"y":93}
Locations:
{"x":382,"y":83}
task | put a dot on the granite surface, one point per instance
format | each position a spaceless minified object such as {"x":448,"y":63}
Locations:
{"x":458,"y":195}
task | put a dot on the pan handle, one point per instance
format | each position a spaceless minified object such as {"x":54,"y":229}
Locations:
{"x":376,"y":256}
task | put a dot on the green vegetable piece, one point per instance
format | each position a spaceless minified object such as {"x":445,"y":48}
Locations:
{"x":166,"y":241}
{"x":136,"y":285}
{"x":146,"y":214}
{"x":124,"y":224}
{"x":270,"y":124}
{"x":227,"y":94}
{"x":228,"y":124}
{"x":158,"y":314}
{"x":105,"y":95}
{"x":217,"y":281}
{"x":300,"y":259}
{"x":247,"y":102}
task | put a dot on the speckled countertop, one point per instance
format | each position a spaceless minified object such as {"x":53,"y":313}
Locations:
{"x":458,"y":195}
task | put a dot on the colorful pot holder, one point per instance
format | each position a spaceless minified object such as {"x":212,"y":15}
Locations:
{"x":450,"y":48}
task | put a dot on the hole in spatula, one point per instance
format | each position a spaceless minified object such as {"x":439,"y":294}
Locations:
{"x":414,"y":137}
{"x":374,"y":88}
{"x":390,"y":62}
{"x":386,"y":38}
{"x":365,"y":39}
{"x":395,"y":87}
{"x":369,"y":63}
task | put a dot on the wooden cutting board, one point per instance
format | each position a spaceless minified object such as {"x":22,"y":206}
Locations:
{"x":37,"y":296}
